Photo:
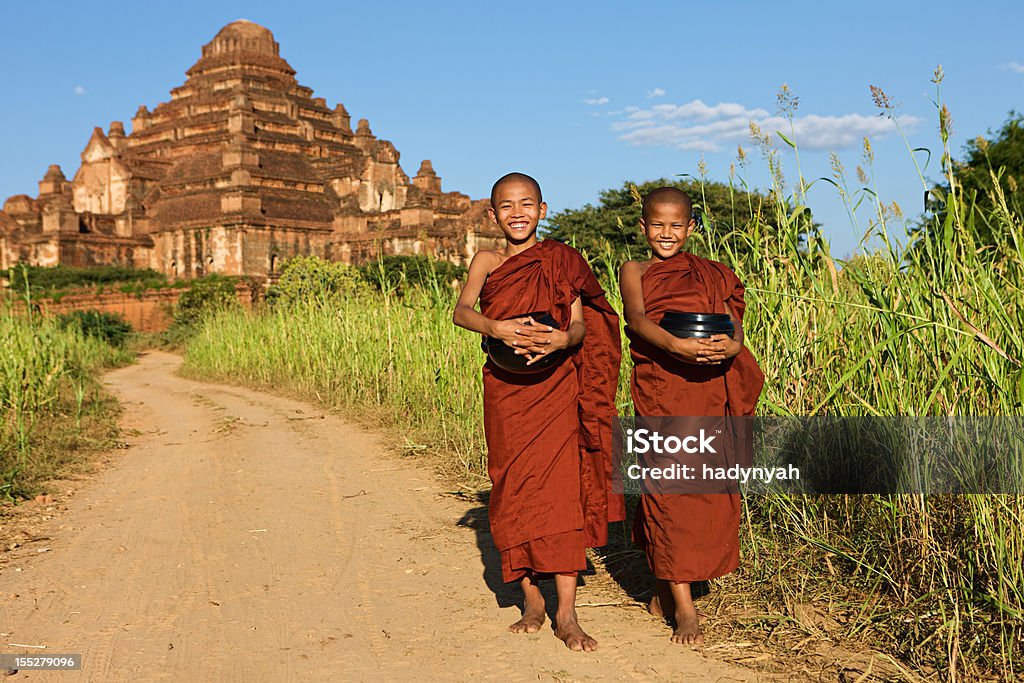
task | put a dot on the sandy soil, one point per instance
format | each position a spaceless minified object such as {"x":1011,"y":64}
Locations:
{"x":247,"y":537}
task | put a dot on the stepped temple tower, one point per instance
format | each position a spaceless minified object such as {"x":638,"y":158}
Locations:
{"x":242,"y":169}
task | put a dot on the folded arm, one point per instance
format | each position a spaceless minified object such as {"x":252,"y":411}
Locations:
{"x":466,"y":315}
{"x":697,"y":351}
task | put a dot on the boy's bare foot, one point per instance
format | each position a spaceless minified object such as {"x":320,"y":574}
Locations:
{"x":687,"y":630}
{"x":531,"y":621}
{"x":662,"y":603}
{"x":687,"y":627}
{"x":567,"y":625}
{"x":533,"y":608}
{"x":569,"y":632}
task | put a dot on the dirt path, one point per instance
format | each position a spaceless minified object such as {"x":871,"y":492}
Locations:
{"x":246,"y":537}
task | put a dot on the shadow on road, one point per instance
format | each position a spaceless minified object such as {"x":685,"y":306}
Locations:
{"x":622,"y":561}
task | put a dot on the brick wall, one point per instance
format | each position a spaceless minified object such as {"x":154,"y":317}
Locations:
{"x":150,"y":311}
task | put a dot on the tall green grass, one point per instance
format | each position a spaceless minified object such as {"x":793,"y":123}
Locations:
{"x":398,"y":355}
{"x":930,"y":328}
{"x":51,"y":405}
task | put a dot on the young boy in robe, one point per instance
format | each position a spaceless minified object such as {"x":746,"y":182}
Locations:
{"x":549,"y":433}
{"x":687,"y":537}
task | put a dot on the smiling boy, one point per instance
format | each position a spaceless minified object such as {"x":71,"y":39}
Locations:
{"x":549,"y":433}
{"x":686,"y":537}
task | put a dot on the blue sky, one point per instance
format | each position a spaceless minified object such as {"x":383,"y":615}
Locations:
{"x":583,"y":95}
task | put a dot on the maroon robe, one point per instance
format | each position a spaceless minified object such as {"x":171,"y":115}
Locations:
{"x":690,"y":537}
{"x":549,"y":434}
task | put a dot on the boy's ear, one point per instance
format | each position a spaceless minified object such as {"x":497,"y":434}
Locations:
{"x":691,"y":227}
{"x":543,"y":210}
{"x":490,"y":214}
{"x":643,"y":225}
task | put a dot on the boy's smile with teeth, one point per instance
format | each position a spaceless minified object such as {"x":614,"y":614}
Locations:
{"x":517,"y":209}
{"x":666,"y":228}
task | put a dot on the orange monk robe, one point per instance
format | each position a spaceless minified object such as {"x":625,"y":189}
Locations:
{"x":690,"y":537}
{"x":549,"y":434}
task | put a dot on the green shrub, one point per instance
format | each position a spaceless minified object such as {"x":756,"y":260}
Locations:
{"x":395,"y":273}
{"x":109,"y":327}
{"x":309,"y":278}
{"x":207,"y":295}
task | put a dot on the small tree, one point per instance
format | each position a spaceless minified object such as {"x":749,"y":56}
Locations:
{"x":109,"y":327}
{"x":613,"y":225}
{"x":989,"y":185}
{"x":396,"y":273}
{"x":309,"y":278}
{"x":1000,"y":155}
{"x":206,"y":295}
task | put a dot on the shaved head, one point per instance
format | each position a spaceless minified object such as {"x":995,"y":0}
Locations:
{"x":518,"y":177}
{"x":667,"y":195}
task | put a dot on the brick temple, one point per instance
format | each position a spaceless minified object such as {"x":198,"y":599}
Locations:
{"x":242,"y":169}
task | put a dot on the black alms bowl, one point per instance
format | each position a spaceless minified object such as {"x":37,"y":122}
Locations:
{"x":681,"y":319}
{"x":699,"y":325}
{"x":504,"y":356}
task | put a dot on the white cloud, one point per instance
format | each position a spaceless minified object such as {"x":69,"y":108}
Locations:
{"x":657,"y":92}
{"x":80,"y":90}
{"x":1015,"y":67}
{"x":596,"y":101}
{"x":700,"y":127}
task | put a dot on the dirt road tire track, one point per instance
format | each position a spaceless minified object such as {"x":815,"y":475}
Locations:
{"x":233,"y":542}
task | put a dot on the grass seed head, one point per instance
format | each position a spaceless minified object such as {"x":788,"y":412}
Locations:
{"x":945,"y":122}
{"x":880,"y":99}
{"x":837,"y":166}
{"x":634,"y":192}
{"x":869,"y":153}
{"x":786,"y":102}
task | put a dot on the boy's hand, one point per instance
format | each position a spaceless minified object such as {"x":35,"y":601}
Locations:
{"x":535,"y":340}
{"x":507,"y":330}
{"x":730,"y":350}
{"x":709,"y":351}
{"x":529,"y":338}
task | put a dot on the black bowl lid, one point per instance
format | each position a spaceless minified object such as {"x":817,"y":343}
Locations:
{"x":678,"y":317}
{"x":690,"y":333}
{"x":726,"y":326}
